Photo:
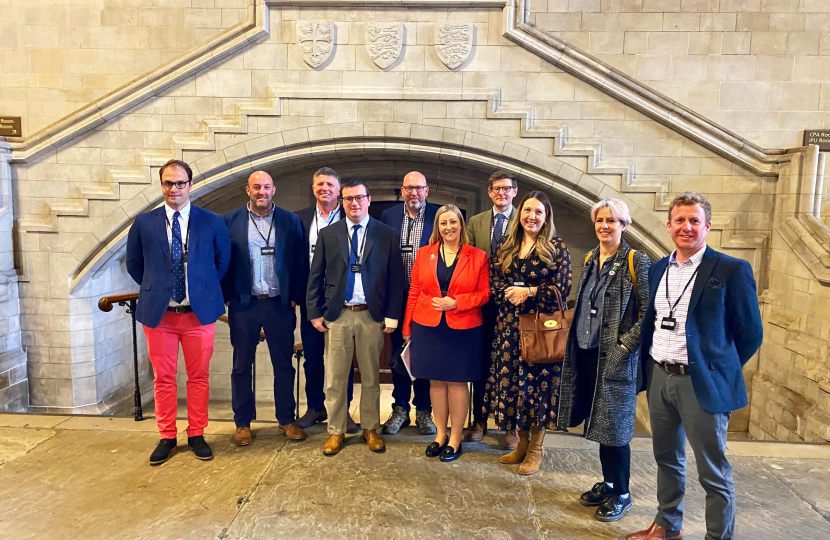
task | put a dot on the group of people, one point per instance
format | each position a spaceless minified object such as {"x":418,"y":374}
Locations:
{"x":681,"y":328}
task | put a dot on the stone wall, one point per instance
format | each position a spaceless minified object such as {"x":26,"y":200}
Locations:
{"x":760,"y":68}
{"x":58,"y":55}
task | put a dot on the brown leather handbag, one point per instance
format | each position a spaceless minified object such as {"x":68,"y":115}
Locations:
{"x":542,"y":336}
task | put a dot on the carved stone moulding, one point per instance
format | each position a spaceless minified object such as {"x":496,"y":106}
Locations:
{"x":454,"y":43}
{"x":316,"y":41}
{"x":384,"y":42}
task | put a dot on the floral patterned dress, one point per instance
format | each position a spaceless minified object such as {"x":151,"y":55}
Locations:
{"x":520,"y":395}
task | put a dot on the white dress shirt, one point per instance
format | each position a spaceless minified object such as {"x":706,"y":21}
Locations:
{"x":320,"y":222}
{"x":184,"y":220}
{"x":358,"y":297}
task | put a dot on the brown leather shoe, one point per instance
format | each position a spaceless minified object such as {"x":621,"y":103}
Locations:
{"x":476,"y":432}
{"x":511,"y":439}
{"x":334,"y":444}
{"x":293,"y":432}
{"x":655,"y":532}
{"x":242,"y":437}
{"x":374,"y":441}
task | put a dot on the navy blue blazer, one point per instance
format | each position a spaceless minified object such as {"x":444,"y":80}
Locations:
{"x":289,"y":258}
{"x":723,"y":329}
{"x":381,"y":273}
{"x":394,"y":218}
{"x":149,"y":264}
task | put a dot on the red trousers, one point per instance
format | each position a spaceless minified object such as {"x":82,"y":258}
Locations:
{"x":163,"y":346}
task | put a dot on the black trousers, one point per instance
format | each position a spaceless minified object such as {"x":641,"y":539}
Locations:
{"x":245,"y":323}
{"x":616,"y":466}
{"x":489,"y":312}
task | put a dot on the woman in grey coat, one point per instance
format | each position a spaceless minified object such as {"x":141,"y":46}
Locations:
{"x":600,"y":368}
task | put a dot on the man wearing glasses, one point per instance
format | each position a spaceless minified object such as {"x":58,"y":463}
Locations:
{"x":178,"y":254}
{"x":355,"y":295}
{"x":413,"y":221}
{"x":485,"y":231}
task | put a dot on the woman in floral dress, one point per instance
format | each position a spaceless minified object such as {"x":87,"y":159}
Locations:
{"x":524,"y":271}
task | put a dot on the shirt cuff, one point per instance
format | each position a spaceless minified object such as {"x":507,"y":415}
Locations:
{"x":390,"y":323}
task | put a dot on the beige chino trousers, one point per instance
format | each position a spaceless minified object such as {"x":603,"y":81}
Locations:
{"x":353,"y":330}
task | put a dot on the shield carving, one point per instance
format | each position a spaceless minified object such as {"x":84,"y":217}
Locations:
{"x":384,"y":42}
{"x":454,"y":43}
{"x":316,"y":41}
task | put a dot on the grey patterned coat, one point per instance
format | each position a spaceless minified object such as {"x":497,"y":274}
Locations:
{"x":614,"y":402}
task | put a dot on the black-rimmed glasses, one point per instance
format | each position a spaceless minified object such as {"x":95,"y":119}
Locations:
{"x":496,"y":189}
{"x":359,"y":199}
{"x":179,"y":185}
{"x":410,"y":189}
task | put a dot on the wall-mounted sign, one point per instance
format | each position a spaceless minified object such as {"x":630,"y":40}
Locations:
{"x":821,"y":137}
{"x":11,"y":126}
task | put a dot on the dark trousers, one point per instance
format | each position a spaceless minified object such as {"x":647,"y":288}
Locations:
{"x":402,"y":385}
{"x":616,"y":466}
{"x":490,"y":313}
{"x":314,"y":343}
{"x":245,"y":323}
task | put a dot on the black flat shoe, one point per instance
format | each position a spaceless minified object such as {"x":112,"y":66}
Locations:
{"x":200,"y":447}
{"x":614,"y":508}
{"x":434,"y":449}
{"x":164,"y":451}
{"x":448,"y":454}
{"x":596,"y":496}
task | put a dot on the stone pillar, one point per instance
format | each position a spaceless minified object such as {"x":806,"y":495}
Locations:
{"x":14,"y":382}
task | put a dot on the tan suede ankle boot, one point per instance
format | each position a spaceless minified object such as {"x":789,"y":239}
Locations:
{"x":533,"y":458}
{"x":516,"y":456}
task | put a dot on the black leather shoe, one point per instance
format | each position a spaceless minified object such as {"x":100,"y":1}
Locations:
{"x":596,"y":496}
{"x":164,"y":451}
{"x":614,"y":508}
{"x":434,"y":449}
{"x":200,"y":447}
{"x":449,"y":454}
{"x":311,"y":417}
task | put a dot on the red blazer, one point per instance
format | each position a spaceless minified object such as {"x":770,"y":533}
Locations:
{"x":469,"y":286}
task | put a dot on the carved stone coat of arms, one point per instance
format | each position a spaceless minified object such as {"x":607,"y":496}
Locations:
{"x":384,"y":42}
{"x":454,"y":43}
{"x":316,"y":41}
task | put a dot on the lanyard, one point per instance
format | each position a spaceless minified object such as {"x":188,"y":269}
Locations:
{"x":357,"y":250}
{"x":598,"y":285}
{"x":271,"y":228}
{"x":410,"y":223}
{"x":328,"y":220}
{"x":179,"y":238}
{"x":672,"y":307}
{"x":529,"y":253}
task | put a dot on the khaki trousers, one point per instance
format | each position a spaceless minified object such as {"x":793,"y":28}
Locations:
{"x":350,"y":330}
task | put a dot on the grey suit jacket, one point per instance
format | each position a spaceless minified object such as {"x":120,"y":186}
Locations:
{"x":478,"y":228}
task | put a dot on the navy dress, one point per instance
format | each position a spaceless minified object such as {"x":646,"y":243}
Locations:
{"x":442,"y":353}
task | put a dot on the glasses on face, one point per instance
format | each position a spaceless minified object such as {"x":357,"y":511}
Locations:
{"x":504,"y":190}
{"x":416,"y":189}
{"x":358,"y":199}
{"x":179,"y":185}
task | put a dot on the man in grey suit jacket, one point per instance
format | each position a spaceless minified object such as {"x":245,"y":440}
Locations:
{"x":485,"y":231}
{"x":355,"y":294}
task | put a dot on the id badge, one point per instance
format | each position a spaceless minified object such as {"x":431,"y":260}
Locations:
{"x":668,"y":323}
{"x":184,"y":258}
{"x":355,"y":268}
{"x":593,"y":312}
{"x":519,"y":284}
{"x":406,"y":249}
{"x":267,"y":250}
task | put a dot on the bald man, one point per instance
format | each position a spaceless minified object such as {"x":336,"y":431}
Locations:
{"x":413,"y":221}
{"x":265,"y":282}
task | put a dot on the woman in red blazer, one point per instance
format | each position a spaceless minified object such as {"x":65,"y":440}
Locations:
{"x":450,"y":283}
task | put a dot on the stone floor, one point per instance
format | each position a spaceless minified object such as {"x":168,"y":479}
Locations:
{"x":88,"y":478}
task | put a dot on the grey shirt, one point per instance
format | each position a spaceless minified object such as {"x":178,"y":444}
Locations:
{"x":592,"y":299}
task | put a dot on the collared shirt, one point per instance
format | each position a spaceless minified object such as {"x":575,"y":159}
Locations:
{"x":320,"y":222}
{"x":669,"y":346}
{"x":587,"y":335}
{"x":184,"y":220}
{"x":507,"y":213}
{"x":263,"y":278}
{"x":411,"y":231}
{"x":358,"y":296}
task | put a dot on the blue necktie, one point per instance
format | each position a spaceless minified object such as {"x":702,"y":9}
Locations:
{"x":498,"y":228}
{"x":178,"y":261}
{"x":352,"y":262}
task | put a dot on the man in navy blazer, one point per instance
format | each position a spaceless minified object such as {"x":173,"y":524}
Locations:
{"x":178,"y":254}
{"x":325,"y":185}
{"x":355,"y":295}
{"x":265,"y":283}
{"x":413,"y":220}
{"x":701,"y":326}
